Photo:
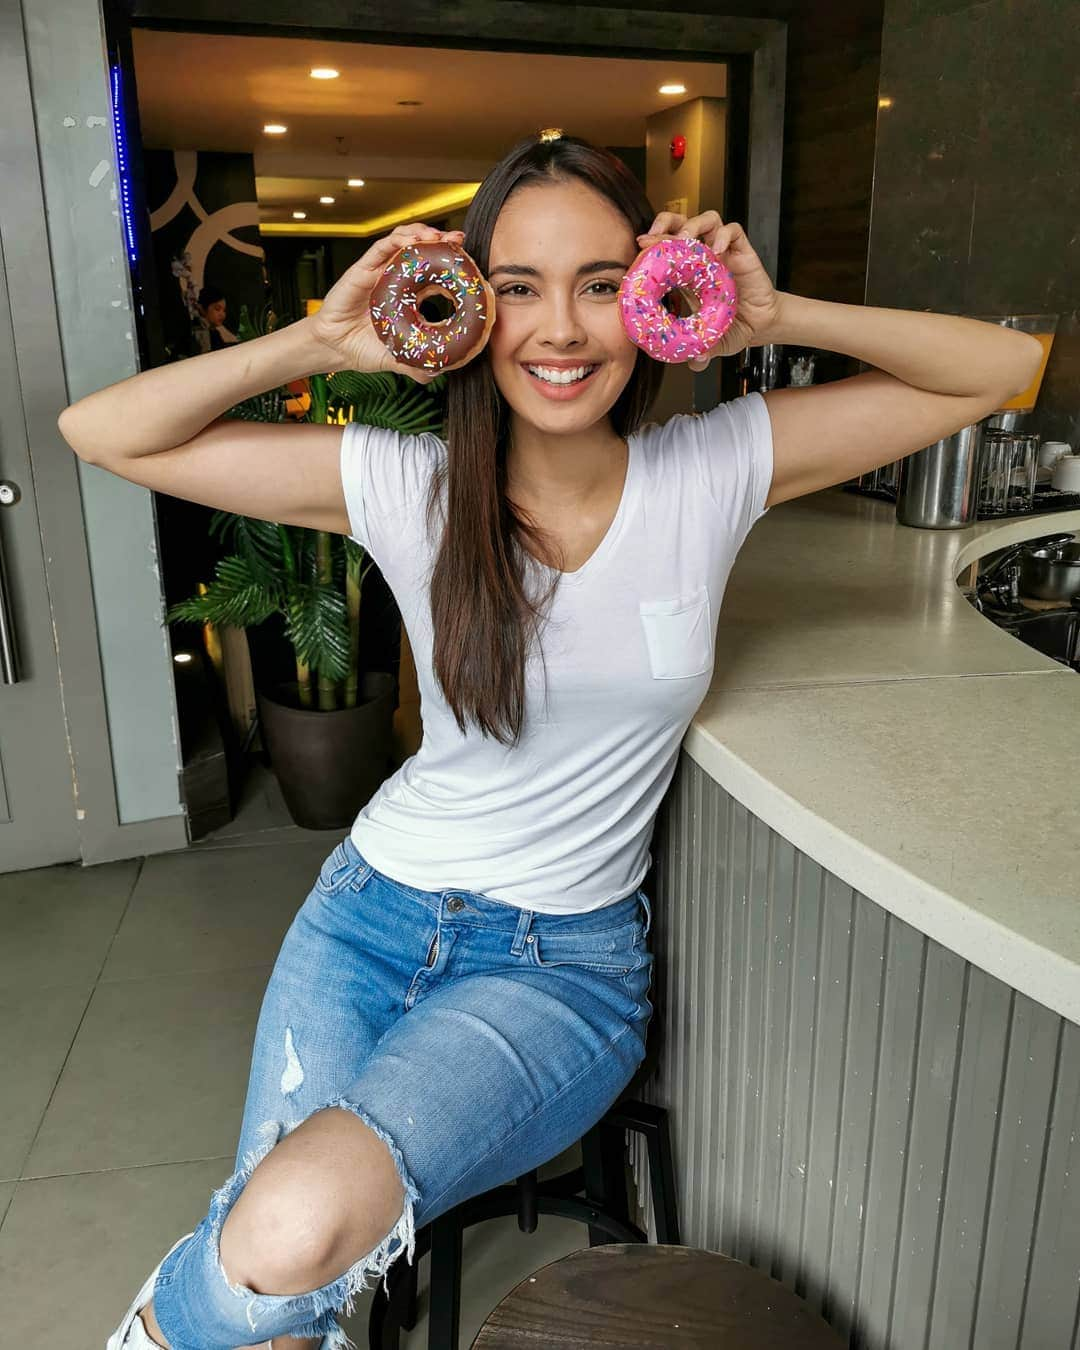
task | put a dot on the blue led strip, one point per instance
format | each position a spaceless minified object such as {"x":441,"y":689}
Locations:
{"x":119,"y":135}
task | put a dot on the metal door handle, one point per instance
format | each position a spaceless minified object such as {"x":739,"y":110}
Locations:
{"x":9,"y":667}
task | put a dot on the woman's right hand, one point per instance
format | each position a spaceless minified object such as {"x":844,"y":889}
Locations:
{"x":343,"y":321}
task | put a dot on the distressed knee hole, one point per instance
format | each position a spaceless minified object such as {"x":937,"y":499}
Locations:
{"x":339,"y":1295}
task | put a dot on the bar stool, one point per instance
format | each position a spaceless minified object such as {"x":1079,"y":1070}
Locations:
{"x":641,"y":1297}
{"x":604,"y":1208}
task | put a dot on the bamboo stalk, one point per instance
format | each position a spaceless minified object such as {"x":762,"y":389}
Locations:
{"x":303,"y":683}
{"x":324,"y":572}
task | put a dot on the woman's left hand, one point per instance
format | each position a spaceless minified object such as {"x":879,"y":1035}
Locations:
{"x":759,"y":301}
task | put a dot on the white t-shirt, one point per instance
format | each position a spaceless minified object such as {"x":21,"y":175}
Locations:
{"x":562,"y":822}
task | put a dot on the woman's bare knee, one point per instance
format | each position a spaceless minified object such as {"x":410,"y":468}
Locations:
{"x":319,"y":1201}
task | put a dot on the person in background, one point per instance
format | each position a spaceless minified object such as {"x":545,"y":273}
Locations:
{"x":210,"y":331}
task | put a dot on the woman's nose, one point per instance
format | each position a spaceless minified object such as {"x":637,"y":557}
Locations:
{"x":562,"y":323}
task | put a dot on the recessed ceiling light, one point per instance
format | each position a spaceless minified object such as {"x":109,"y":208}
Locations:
{"x":183,"y":658}
{"x":299,"y":215}
{"x":885,"y":102}
{"x":327,"y":200}
{"x":356,"y":182}
{"x":673,"y":88}
{"x":325,"y":73}
{"x":409,"y":103}
{"x":274,"y":129}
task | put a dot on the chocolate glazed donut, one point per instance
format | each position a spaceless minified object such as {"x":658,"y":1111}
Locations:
{"x":416,"y":273}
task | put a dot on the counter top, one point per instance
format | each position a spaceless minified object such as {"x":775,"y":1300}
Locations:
{"x":868,"y":713}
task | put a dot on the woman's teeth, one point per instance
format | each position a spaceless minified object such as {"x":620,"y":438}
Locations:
{"x":560,"y":376}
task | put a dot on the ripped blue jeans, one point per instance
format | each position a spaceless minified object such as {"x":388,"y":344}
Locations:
{"x":477,"y":1039}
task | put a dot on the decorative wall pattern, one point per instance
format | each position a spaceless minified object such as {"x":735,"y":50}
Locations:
{"x":204,"y":219}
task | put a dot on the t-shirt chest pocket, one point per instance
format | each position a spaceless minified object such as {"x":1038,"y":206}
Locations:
{"x":678,"y":634}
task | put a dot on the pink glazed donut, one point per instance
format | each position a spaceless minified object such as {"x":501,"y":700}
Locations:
{"x":662,"y":267}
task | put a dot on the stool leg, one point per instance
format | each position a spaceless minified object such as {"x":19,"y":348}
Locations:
{"x":652,"y":1122}
{"x":662,"y":1181}
{"x":526,"y":1197}
{"x":605,"y":1176}
{"x":382,"y":1326}
{"x":409,"y":1309}
{"x":444,"y":1307}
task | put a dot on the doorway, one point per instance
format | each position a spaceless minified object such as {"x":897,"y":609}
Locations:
{"x":304,"y":150}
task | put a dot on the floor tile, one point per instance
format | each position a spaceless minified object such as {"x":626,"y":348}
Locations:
{"x":7,"y":1190}
{"x":42,"y":1024}
{"x":158,"y":1074}
{"x":56,"y":923}
{"x":98,"y":1235}
{"x":218,"y":910}
{"x":74,"y":1251}
{"x":262,"y":817}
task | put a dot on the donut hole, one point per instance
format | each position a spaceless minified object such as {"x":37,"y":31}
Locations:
{"x":681,"y":302}
{"x":434,"y":305}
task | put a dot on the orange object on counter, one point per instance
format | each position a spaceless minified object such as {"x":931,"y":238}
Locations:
{"x":1025,"y":401}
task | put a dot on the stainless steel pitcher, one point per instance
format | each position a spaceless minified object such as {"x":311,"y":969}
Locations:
{"x":939,"y":484}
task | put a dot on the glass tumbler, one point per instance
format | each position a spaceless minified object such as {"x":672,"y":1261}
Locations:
{"x":1009,"y":463}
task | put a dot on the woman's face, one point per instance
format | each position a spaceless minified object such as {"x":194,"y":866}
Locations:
{"x":558,"y":253}
{"x":215,"y":313}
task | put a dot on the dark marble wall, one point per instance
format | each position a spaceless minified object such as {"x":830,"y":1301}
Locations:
{"x":834,"y":50}
{"x":976,"y":200}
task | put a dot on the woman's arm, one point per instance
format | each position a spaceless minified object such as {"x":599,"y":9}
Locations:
{"x":941,"y":353}
{"x":935,"y":373}
{"x":168,"y":406}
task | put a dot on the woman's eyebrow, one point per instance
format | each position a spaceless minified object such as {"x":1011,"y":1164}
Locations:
{"x":586,"y":269}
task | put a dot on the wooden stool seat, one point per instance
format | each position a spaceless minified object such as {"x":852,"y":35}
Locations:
{"x":638,"y":1297}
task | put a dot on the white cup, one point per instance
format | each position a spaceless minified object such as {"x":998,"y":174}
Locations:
{"x":1051,"y":451}
{"x":1067,"y":474}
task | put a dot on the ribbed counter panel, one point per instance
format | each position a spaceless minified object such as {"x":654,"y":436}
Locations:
{"x":857,"y":1111}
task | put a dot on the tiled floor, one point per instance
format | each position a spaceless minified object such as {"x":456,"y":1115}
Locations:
{"x":128,"y":999}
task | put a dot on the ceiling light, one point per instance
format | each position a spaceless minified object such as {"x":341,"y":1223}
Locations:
{"x":327,"y":200}
{"x":183,"y":658}
{"x":325,"y":73}
{"x":274,"y":129}
{"x":299,"y":215}
{"x":673,"y":89}
{"x":356,"y":182}
{"x":885,"y":102}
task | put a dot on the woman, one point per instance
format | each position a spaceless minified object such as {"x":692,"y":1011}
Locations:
{"x":465,"y":989}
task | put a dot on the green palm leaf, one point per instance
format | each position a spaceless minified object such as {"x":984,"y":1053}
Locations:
{"x":235,"y":597}
{"x":316,"y":623}
{"x":258,"y":542}
{"x":384,"y":399}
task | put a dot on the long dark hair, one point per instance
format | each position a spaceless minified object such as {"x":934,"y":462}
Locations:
{"x":483,"y":614}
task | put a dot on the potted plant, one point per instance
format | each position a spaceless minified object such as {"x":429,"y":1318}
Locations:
{"x":328,"y":731}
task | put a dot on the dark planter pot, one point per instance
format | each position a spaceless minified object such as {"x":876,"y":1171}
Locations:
{"x":329,"y":764}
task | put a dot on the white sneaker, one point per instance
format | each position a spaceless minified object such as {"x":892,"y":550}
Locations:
{"x":131,"y":1334}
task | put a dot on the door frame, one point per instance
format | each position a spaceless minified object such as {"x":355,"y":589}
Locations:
{"x":101,"y":835}
{"x":583,"y":31}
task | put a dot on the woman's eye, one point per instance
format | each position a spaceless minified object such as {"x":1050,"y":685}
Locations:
{"x":518,"y":287}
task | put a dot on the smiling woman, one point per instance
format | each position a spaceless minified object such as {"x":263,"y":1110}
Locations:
{"x":559,"y":565}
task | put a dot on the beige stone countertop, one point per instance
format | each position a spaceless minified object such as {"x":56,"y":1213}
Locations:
{"x":867,"y":712}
